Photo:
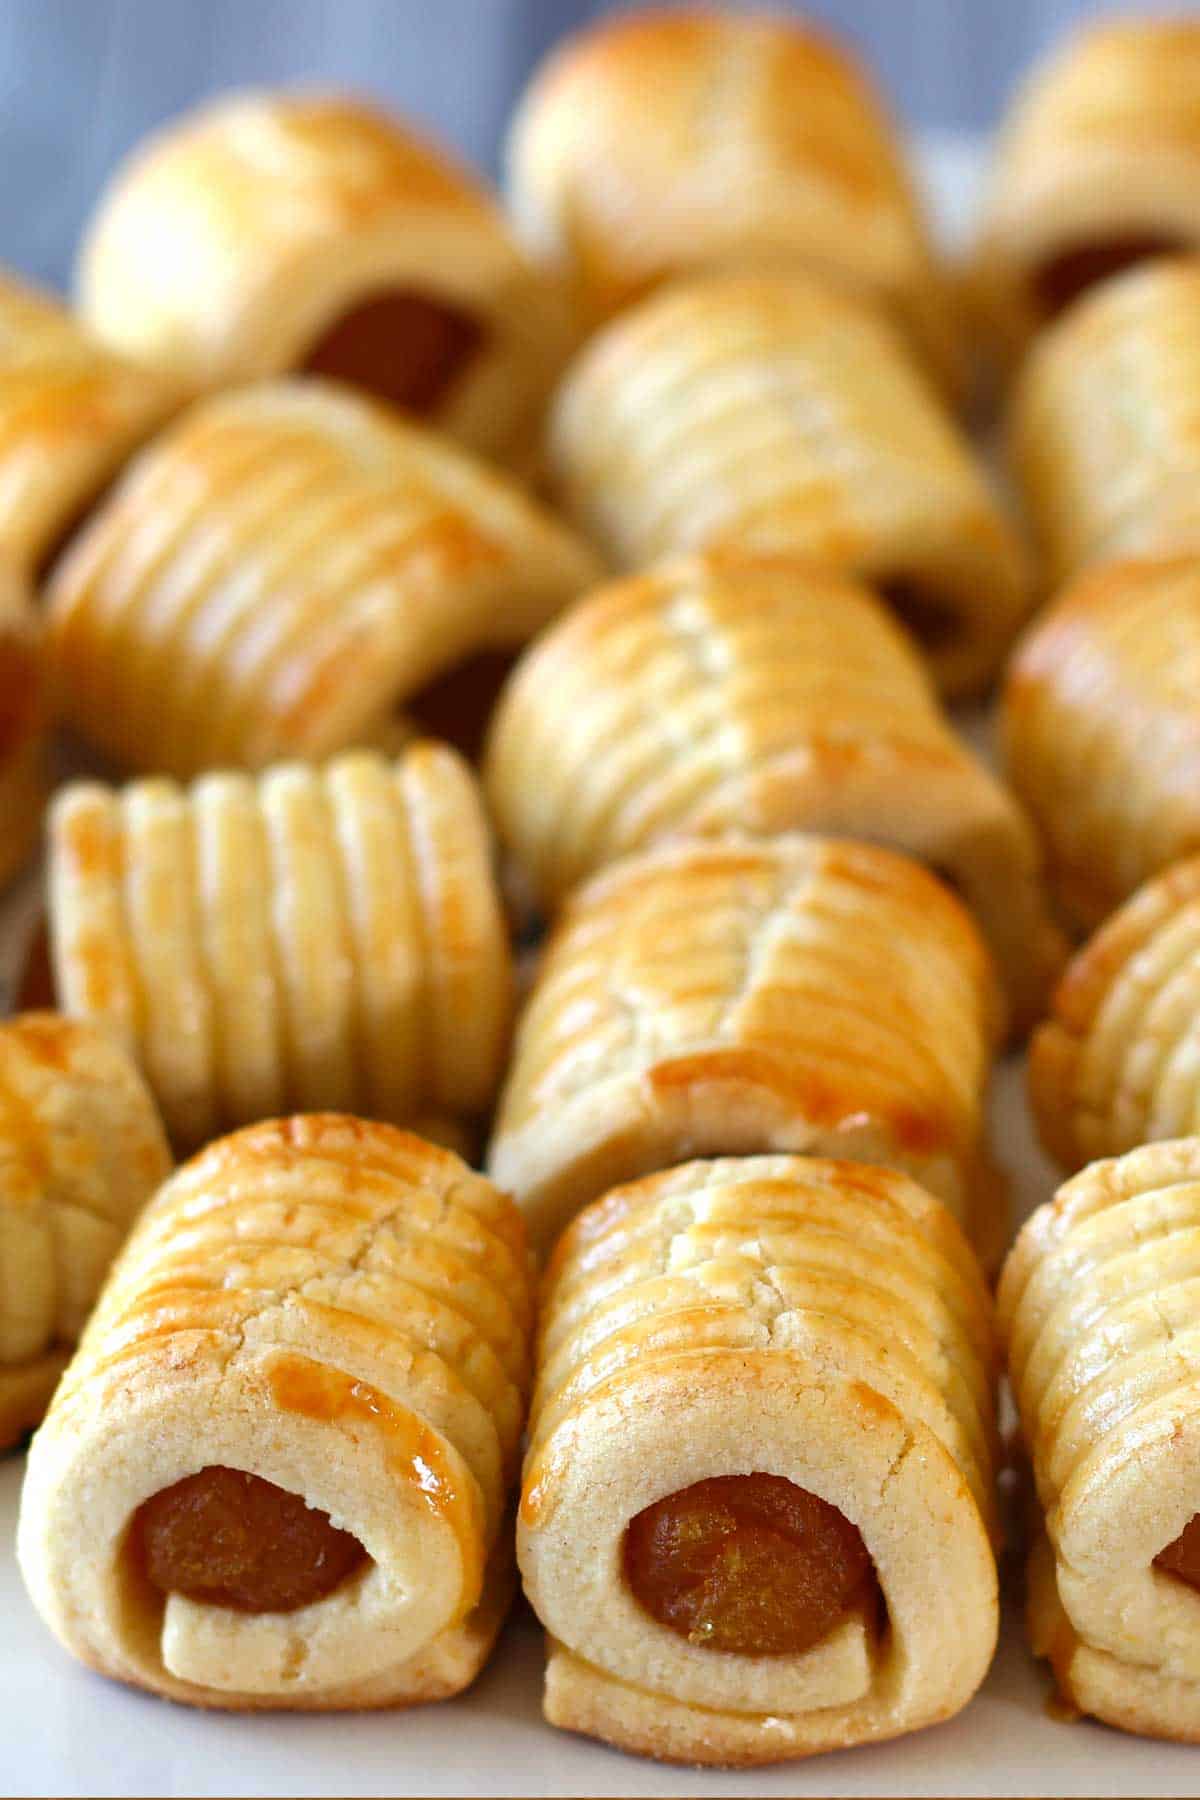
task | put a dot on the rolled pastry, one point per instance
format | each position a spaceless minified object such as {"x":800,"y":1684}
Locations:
{"x":271,"y":232}
{"x":275,"y":1473}
{"x":1102,"y":433}
{"x":316,"y":938}
{"x":666,"y":143}
{"x":757,"y":1504}
{"x":1101,"y":729}
{"x":287,"y":569}
{"x":1118,"y":1062}
{"x":725,"y":998}
{"x":1098,"y":1303}
{"x":1097,"y":169}
{"x":71,"y":411}
{"x":777,"y":414}
{"x":81,"y":1149}
{"x":712,"y":694}
{"x":23,"y":764}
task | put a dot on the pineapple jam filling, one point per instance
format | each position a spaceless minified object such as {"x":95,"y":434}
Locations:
{"x":401,"y":347}
{"x":227,"y":1538}
{"x":748,"y":1563}
{"x":1063,"y":278}
{"x":458,"y":705}
{"x":1182,"y":1558}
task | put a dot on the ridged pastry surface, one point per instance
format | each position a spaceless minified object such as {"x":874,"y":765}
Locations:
{"x":821,"y":1323}
{"x":342,"y":1310}
{"x":774,"y":413}
{"x":282,"y":570}
{"x":736,"y":996}
{"x":317,"y":937}
{"x":1097,"y":1303}
{"x":722,"y":693}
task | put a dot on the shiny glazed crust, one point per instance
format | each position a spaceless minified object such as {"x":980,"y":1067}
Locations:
{"x":228,"y":244}
{"x":736,"y":996}
{"x":1101,"y":729}
{"x":23,"y":761}
{"x":712,"y":694}
{"x":1098,"y":1306}
{"x":339,"y":1308}
{"x":776,"y":414}
{"x":1102,"y":434}
{"x":71,"y":411}
{"x":821,"y":1321}
{"x":1118,"y":1063}
{"x":318,"y":937}
{"x":81,"y":1148}
{"x":277,"y":574}
{"x":1101,"y":144}
{"x":669,"y":142}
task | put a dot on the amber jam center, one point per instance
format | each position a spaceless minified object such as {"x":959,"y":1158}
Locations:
{"x":403,"y":347}
{"x":1061,"y":279}
{"x":1182,"y":1558}
{"x":930,"y":620}
{"x":458,"y":705}
{"x":232,"y":1539}
{"x":748,"y":1563}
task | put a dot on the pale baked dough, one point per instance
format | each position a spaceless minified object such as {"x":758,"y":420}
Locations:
{"x":338,"y":1308}
{"x":1118,"y":1062}
{"x":1101,"y":729}
{"x":71,"y":411}
{"x":1102,"y":433}
{"x":24,"y":772}
{"x":1097,"y":167}
{"x":724,"y":998}
{"x":279,"y":573}
{"x":819,"y":1321}
{"x":777,"y":413}
{"x":81,"y":1148}
{"x":1098,"y":1303}
{"x":229,"y":244}
{"x":661,"y":143}
{"x":713,"y":694}
{"x":314,"y":938}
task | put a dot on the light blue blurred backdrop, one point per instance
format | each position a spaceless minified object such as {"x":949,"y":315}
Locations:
{"x":80,"y":80}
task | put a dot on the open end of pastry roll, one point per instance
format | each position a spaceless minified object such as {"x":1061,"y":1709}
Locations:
{"x":275,"y":1474}
{"x":402,"y":346}
{"x":757,"y":1499}
{"x":1098,"y":1304}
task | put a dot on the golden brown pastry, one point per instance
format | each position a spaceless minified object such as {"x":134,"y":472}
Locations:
{"x":274,"y":1475}
{"x":662,"y":143}
{"x":1103,"y":429}
{"x":288,"y":568}
{"x":275,"y":232}
{"x":316,"y":938}
{"x":777,"y":414}
{"x":81,"y":1148}
{"x":1118,"y":1062}
{"x":1098,"y":1303}
{"x":23,"y":767}
{"x":724,"y":998}
{"x":1101,"y":727}
{"x":1097,"y":169}
{"x":758,"y":1503}
{"x":71,"y":411}
{"x":713,"y":694}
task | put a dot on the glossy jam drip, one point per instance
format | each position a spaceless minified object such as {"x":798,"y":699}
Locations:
{"x":748,"y":1563}
{"x":1182,"y":1558}
{"x":1062,"y":279}
{"x":934,"y":624}
{"x":457,"y":706}
{"x":228,"y":1538}
{"x":402,"y":347}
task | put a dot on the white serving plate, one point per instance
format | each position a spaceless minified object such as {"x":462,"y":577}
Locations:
{"x":65,"y":1731}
